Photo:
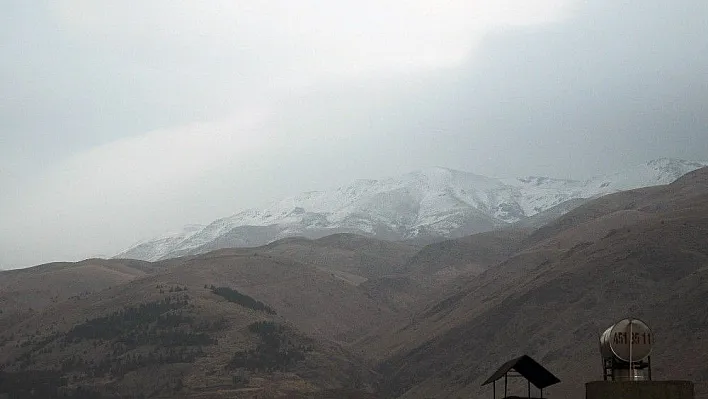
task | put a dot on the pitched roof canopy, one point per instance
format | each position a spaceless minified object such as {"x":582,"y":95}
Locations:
{"x":529,"y":369}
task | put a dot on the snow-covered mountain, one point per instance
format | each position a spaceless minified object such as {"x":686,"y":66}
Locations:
{"x":423,"y":205}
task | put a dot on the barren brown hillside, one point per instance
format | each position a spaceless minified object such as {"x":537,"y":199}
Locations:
{"x":354,"y":317}
{"x":40,"y":286}
{"x":189,"y":335}
{"x":315,"y":300}
{"x":552,"y":299}
{"x":466,"y":256}
{"x":349,"y":256}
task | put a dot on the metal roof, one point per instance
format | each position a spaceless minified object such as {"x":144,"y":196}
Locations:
{"x":529,"y":369}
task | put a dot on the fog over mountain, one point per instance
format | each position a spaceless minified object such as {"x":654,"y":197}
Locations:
{"x":421,"y":206}
{"x":349,"y":316}
{"x":349,"y":199}
{"x":122,"y":120}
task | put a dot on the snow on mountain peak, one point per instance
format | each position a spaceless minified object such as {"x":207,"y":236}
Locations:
{"x":655,"y":172}
{"x":427,"y":203}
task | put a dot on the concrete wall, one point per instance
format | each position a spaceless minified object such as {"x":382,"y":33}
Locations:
{"x":639,"y":390}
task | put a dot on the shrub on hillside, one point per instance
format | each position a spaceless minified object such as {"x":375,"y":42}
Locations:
{"x":234,"y":296}
{"x":277,"y":351}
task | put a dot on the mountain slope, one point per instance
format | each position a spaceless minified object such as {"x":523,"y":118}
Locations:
{"x":310,"y":318}
{"x":40,"y":286}
{"x":231,"y":323}
{"x":640,"y":253}
{"x":422,"y":206}
{"x":349,"y":256}
{"x":468,"y":256}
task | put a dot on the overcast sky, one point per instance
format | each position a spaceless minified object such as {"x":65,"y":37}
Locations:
{"x":122,"y":120}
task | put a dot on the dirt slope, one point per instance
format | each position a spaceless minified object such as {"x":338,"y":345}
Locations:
{"x":172,"y":327}
{"x":310,"y":318}
{"x":640,"y":253}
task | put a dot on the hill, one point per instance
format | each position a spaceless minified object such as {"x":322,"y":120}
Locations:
{"x":640,"y":253}
{"x":466,"y":256}
{"x":352,"y":316}
{"x":350,"y":256}
{"x":229,"y":323}
{"x":40,"y":286}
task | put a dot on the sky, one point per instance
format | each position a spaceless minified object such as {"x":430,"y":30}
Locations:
{"x":121,"y":120}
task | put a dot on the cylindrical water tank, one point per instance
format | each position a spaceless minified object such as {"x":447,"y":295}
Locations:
{"x":630,"y":374}
{"x":629,"y":340}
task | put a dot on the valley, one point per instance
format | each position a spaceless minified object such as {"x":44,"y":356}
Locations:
{"x":351,"y":315}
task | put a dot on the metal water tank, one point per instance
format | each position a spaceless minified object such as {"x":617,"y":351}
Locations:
{"x":628,"y":340}
{"x":630,"y":374}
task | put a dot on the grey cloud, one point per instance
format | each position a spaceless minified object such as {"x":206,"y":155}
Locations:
{"x":617,"y":84}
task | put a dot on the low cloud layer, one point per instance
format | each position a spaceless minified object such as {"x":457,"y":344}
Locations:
{"x":122,"y":120}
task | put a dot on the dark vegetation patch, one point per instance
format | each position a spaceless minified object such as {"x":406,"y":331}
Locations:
{"x":160,"y":323}
{"x":172,"y":288}
{"x":278,"y":350}
{"x":45,"y":384}
{"x":133,"y":338}
{"x":234,"y":296}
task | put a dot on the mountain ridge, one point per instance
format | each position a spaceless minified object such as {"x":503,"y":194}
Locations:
{"x":639,"y":253}
{"x":371,"y":318}
{"x":424,"y":205}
